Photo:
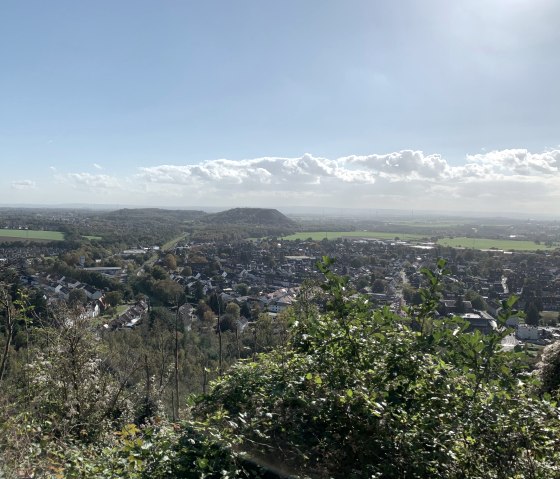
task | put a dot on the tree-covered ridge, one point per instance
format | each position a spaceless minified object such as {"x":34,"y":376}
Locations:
{"x":251,"y":216}
{"x":347,"y":392}
{"x":239,"y":223}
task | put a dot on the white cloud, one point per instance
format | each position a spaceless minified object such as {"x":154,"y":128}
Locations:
{"x":97,"y":166}
{"x":23,"y":185}
{"x":289,"y":173}
{"x":404,"y":166}
{"x":517,"y":162}
{"x":87,"y":180}
{"x":499,"y":180}
{"x":512,"y":180}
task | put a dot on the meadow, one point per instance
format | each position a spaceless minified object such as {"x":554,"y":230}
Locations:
{"x":381,"y":235}
{"x":487,"y":243}
{"x":31,"y":235}
{"x":457,"y":242}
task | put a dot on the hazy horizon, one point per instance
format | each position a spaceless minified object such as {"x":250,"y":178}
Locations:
{"x":416,"y":105}
{"x":302,"y":211}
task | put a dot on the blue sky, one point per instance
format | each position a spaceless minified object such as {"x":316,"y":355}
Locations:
{"x":440,"y":104}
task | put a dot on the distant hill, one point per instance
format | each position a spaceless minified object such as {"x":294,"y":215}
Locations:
{"x":263,"y":217}
{"x":142,"y":226}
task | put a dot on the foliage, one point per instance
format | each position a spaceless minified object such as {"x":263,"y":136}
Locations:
{"x":344,"y":391}
{"x":65,"y":393}
{"x":77,"y":297}
{"x":367,"y":394}
{"x":549,"y":369}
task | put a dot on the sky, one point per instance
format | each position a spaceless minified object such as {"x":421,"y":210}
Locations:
{"x":408,"y":104}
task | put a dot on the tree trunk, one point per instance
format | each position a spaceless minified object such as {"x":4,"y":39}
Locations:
{"x":5,"y":301}
{"x":177,"y":361}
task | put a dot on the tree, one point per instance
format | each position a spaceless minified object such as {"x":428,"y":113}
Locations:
{"x":460,"y":306}
{"x":362,"y":282}
{"x":476,"y":300}
{"x":229,"y":320}
{"x":9,"y":322}
{"x":379,"y":286}
{"x":198,"y":292}
{"x":208,"y":317}
{"x":245,"y":310}
{"x":242,"y":289}
{"x":170,"y":262}
{"x":73,"y":391}
{"x":113,"y":298}
{"x":233,"y":309}
{"x":167,"y":291}
{"x":77,"y":297}
{"x":216,"y":303}
{"x":549,"y":368}
{"x":159,"y":273}
{"x":532,"y":314}
{"x":71,"y":259}
{"x":202,"y":308}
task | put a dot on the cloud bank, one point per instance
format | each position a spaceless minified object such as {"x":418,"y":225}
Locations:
{"x":23,"y":185}
{"x":90,"y":182}
{"x":507,"y":180}
{"x":512,"y":180}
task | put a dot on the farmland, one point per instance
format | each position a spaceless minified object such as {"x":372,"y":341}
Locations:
{"x":456,"y":242}
{"x":30,"y":235}
{"x":381,"y":235}
{"x":500,"y":244}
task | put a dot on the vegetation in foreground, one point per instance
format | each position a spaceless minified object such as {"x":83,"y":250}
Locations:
{"x":347,"y":393}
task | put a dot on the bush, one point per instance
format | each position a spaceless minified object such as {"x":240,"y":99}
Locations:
{"x":362,"y":394}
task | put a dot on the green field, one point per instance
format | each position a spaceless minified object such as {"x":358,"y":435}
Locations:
{"x":459,"y":242}
{"x":7,"y":235}
{"x":173,"y":242}
{"x":428,"y":224}
{"x":381,"y":235}
{"x":486,"y":243}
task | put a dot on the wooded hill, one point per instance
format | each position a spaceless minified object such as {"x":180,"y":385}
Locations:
{"x":152,"y":213}
{"x":250,"y":216}
{"x":151,"y":226}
